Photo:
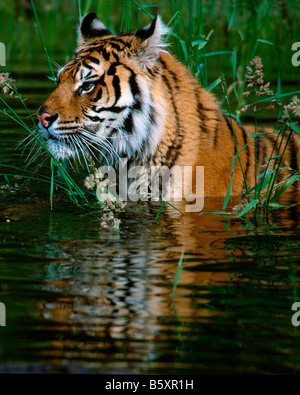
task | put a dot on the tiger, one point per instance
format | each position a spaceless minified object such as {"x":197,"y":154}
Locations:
{"x":125,"y":95}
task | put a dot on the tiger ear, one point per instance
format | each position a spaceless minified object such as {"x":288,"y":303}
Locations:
{"x":151,"y":43}
{"x":91,"y":27}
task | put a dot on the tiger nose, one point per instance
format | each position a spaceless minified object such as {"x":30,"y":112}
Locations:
{"x":46,"y":119}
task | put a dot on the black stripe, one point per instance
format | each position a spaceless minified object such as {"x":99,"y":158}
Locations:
{"x":136,"y":93}
{"x":123,"y":42}
{"x":112,"y":132}
{"x":100,"y":48}
{"x":116,"y":81}
{"x":115,"y":56}
{"x":88,"y":48}
{"x":201,"y":112}
{"x":152,"y":116}
{"x":73,"y":67}
{"x":132,"y":81}
{"x":137,"y":105}
{"x":105,"y":54}
{"x":170,"y":90}
{"x":173,"y":151}
{"x":293,"y":153}
{"x":261,"y":153}
{"x":88,"y":66}
{"x":98,"y":96}
{"x":274,"y":142}
{"x":91,"y":78}
{"x":65,"y":128}
{"x":116,"y":85}
{"x":216,"y":133}
{"x":128,"y":123}
{"x":115,"y":45}
{"x":153,"y":71}
{"x":112,"y":69}
{"x":229,"y":121}
{"x":244,"y":133}
{"x":101,"y":81}
{"x":134,"y":88}
{"x":92,"y":118}
{"x":94,"y":60}
{"x":171,"y":73}
{"x":175,"y":144}
{"x":114,"y":109}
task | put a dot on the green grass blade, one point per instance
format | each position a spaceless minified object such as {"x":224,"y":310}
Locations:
{"x":232,"y":175}
{"x":160,"y":210}
{"x":79,"y":9}
{"x":284,"y":187}
{"x":295,"y":127}
{"x":214,"y":84}
{"x":277,"y":97}
{"x":262,"y":184}
{"x":264,"y":133}
{"x":51,"y":184}
{"x":216,"y":53}
{"x":232,"y":15}
{"x":230,"y":185}
{"x":178,"y":274}
{"x":143,"y":8}
{"x":266,"y":42}
{"x":176,"y":208}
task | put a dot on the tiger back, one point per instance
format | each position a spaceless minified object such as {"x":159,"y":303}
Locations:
{"x":124,"y":95}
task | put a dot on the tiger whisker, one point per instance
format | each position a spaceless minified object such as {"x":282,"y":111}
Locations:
{"x":103,"y":141}
{"x":29,"y":136}
{"x":94,"y":142}
{"x":91,"y":146}
{"x":87,"y":149}
{"x":74,"y":146}
{"x":33,"y":145}
{"x":30,"y":159}
{"x":110,"y":149}
{"x":54,"y":63}
{"x":82,"y":149}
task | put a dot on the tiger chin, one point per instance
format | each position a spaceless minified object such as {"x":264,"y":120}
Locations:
{"x":125,"y":96}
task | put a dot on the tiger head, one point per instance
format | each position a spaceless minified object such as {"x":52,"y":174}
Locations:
{"x":103,"y":104}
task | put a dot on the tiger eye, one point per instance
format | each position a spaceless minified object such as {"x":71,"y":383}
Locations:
{"x":87,"y":87}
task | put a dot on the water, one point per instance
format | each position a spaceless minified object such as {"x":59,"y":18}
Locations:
{"x":80,"y":298}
